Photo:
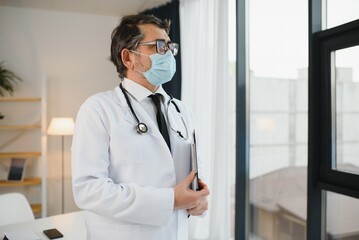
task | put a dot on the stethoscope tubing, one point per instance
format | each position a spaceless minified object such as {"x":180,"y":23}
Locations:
{"x":142,"y":127}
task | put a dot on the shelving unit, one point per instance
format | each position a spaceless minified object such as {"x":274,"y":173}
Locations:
{"x":25,"y":182}
{"x":19,"y":127}
{"x":13,"y":99}
{"x":38,"y":157}
{"x":19,"y":154}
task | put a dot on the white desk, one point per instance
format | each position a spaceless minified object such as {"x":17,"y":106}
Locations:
{"x":71,"y":225}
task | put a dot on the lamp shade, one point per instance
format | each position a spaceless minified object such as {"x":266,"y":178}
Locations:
{"x":61,"y":126}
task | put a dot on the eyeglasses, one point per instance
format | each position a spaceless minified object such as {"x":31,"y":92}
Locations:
{"x":162,"y":46}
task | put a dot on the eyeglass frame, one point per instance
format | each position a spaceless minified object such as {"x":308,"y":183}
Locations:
{"x":167,"y":45}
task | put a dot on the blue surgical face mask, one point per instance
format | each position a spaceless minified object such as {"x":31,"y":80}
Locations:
{"x":162,"y":69}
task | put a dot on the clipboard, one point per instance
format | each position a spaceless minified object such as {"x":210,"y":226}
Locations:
{"x":194,"y":164}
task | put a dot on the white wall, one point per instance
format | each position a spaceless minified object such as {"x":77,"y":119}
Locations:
{"x":72,"y":50}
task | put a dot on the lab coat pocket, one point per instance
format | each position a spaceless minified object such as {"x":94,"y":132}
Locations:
{"x":126,"y":145}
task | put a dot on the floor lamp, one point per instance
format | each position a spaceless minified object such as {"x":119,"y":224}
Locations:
{"x":61,"y":127}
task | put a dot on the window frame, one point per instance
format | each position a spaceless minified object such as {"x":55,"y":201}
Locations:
{"x":242,"y":206}
{"x":327,"y":41}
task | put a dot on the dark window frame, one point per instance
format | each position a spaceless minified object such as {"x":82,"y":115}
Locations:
{"x":327,"y":41}
{"x":242,"y":206}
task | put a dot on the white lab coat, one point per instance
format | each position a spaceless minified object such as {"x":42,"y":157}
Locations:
{"x":124,"y":180}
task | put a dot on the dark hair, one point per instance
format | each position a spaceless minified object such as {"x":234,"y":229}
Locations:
{"x":128,"y":35}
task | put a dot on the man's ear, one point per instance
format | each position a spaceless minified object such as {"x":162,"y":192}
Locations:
{"x":126,"y":58}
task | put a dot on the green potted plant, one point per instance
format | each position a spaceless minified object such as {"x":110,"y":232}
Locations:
{"x":7,"y":81}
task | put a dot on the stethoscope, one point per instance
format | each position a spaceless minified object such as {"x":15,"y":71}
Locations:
{"x":142,"y":127}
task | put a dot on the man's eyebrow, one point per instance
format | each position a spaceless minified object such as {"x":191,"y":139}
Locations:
{"x":169,"y":40}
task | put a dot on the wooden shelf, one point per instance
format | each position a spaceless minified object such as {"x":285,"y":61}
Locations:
{"x":19,"y":127}
{"x":36,"y":208}
{"x":25,"y":182}
{"x":19,"y":154}
{"x":16,"y":149}
{"x":15,"y":99}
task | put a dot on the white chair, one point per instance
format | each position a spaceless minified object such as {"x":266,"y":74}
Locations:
{"x":14,"y":208}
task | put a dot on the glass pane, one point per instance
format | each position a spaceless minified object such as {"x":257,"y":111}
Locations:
{"x":278,"y":119}
{"x":346,"y":77}
{"x":341,"y":11}
{"x":342,"y":217}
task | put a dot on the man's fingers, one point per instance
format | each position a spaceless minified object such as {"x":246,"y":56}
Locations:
{"x":199,"y":209}
{"x":188,"y":180}
{"x":204,"y":188}
{"x":201,"y":183}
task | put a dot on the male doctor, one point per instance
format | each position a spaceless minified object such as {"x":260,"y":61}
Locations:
{"x":131,"y":148}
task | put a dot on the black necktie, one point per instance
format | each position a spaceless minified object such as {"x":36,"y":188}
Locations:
{"x":156,"y":98}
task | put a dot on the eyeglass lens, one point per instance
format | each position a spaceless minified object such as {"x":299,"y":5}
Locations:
{"x":162,"y":47}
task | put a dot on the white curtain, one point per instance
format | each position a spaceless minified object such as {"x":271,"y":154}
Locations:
{"x":204,"y":49}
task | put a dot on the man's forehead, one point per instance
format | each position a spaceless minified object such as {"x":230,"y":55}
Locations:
{"x":153,"y":32}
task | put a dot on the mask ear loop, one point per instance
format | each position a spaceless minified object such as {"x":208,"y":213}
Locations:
{"x":141,"y":127}
{"x":142,"y":72}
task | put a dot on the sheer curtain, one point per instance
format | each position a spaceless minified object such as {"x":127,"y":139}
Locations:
{"x":205,"y":90}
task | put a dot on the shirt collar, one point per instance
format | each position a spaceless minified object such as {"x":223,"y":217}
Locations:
{"x":139,"y":92}
{"x":165,"y":95}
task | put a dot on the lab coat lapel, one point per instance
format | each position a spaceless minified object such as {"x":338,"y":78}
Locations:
{"x":121,"y":101}
{"x":141,"y":115}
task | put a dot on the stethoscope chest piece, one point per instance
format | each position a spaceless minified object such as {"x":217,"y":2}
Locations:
{"x":141,"y":128}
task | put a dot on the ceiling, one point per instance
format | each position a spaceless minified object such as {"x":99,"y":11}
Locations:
{"x":104,"y":7}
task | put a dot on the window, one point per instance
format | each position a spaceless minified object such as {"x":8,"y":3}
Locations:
{"x":278,"y":118}
{"x":276,"y":78}
{"x":342,"y":217}
{"x":333,"y":180}
{"x":338,"y":46}
{"x":341,"y":11}
{"x":345,"y":77}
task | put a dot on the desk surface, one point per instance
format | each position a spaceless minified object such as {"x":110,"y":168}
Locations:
{"x":71,"y":225}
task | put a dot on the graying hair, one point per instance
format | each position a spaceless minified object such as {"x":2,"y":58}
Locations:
{"x":127,"y":35}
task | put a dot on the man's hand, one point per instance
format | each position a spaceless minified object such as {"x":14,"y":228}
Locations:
{"x":194,"y":201}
